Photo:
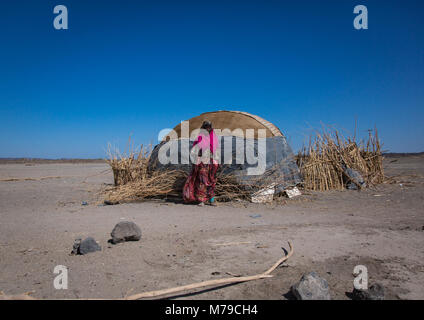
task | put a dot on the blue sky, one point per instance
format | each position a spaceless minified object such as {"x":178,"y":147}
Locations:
{"x":136,"y":67}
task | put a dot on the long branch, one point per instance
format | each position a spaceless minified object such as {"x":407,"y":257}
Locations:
{"x":266,"y":274}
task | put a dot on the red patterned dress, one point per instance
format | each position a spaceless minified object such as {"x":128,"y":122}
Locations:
{"x":200,"y":184}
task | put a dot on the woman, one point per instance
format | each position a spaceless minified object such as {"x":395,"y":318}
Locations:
{"x":200,"y":184}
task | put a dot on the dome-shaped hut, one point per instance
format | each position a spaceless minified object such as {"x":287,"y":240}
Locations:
{"x":252,"y":149}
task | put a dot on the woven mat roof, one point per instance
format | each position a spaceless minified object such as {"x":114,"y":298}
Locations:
{"x":232,"y":120}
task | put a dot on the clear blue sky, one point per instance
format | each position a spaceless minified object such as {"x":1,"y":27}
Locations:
{"x":137,"y":67}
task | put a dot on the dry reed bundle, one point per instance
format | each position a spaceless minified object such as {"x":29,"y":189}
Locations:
{"x":128,"y":167}
{"x":324,"y":163}
{"x":158,"y":184}
{"x":134,"y":181}
{"x":170,"y":183}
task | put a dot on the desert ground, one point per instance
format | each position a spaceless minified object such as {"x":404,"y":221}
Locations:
{"x":42,"y":213}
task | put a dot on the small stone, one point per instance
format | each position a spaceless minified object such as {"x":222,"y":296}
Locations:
{"x":311,"y":287}
{"x":125,"y":231}
{"x":88,"y":245}
{"x":375,"y":292}
{"x":255,"y":216}
{"x":76,"y":246}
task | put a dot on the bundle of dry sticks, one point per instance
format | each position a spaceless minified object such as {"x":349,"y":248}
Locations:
{"x":134,"y":181}
{"x":324,"y":162}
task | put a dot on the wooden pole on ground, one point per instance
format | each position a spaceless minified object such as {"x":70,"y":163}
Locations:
{"x":218,"y":282}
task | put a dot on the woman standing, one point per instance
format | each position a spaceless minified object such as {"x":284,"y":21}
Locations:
{"x":200,"y":184}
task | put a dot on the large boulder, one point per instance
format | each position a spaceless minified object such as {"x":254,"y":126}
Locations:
{"x":374,"y":292}
{"x":125,"y":231}
{"x":311,"y":287}
{"x":86,"y":246}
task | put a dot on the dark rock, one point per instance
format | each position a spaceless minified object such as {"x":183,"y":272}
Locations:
{"x":311,"y":287}
{"x":125,"y":231}
{"x":76,"y":246}
{"x":354,"y":179}
{"x":375,"y":292}
{"x":88,"y":245}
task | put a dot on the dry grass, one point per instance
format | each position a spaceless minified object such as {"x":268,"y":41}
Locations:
{"x":169,"y":184}
{"x":159,"y":184}
{"x":323,"y":163}
{"x":134,"y":182}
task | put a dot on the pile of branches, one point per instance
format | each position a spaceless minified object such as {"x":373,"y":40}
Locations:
{"x":133,"y":181}
{"x":228,"y":188}
{"x":169,"y":184}
{"x":325,"y":163}
{"x":158,"y":184}
{"x":129,"y":167}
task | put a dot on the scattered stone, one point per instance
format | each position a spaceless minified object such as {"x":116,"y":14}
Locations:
{"x":355,"y":179}
{"x":86,"y":246}
{"x":216,"y":273}
{"x":293,"y":192}
{"x":89,"y":245}
{"x":311,"y":287}
{"x":84,"y":203}
{"x":254,"y":216}
{"x":125,"y":231}
{"x":374,"y":292}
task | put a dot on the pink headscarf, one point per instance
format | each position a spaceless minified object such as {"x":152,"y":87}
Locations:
{"x":207,"y":141}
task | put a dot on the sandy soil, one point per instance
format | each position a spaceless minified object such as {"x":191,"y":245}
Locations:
{"x":381,"y":228}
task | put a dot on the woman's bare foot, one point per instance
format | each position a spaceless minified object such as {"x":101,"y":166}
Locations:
{"x":212,"y":202}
